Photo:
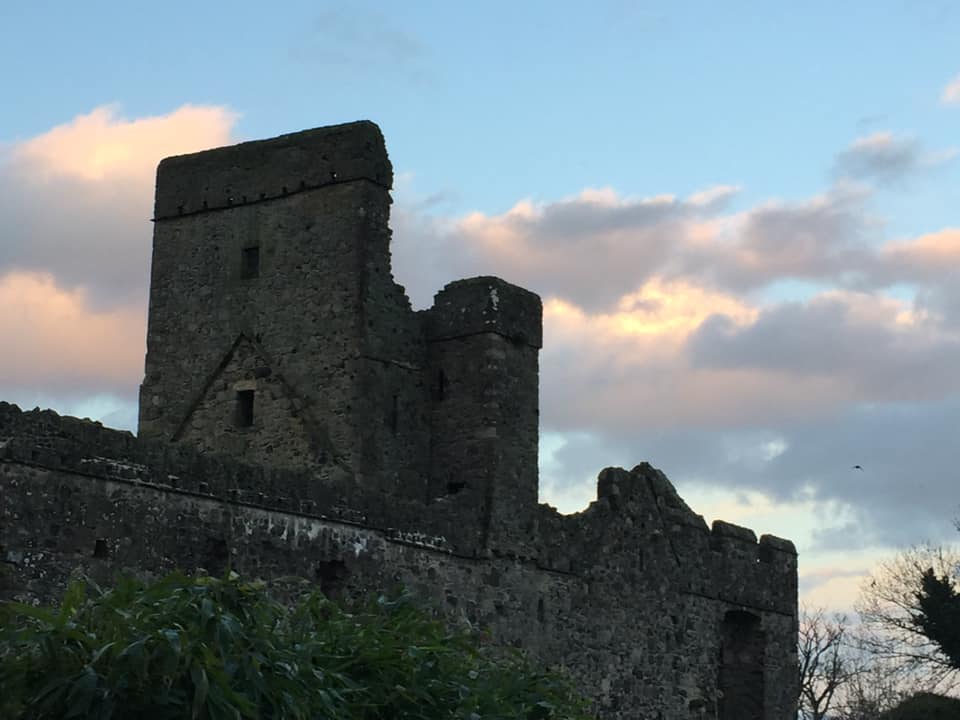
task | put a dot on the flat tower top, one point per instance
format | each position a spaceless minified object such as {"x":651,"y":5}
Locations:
{"x":267,"y":169}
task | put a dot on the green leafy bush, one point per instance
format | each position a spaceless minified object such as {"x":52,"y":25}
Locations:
{"x":210,"y":648}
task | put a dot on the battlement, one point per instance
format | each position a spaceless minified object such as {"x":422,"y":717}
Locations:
{"x":269,"y":169}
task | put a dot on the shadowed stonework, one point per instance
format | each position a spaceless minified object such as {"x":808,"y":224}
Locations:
{"x":297,"y":417}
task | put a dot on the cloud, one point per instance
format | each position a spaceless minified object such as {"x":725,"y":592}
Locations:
{"x":74,"y":261}
{"x":929,"y":263}
{"x":886,"y":158}
{"x":834,"y":584}
{"x":801,"y":468}
{"x":660,"y":343}
{"x":951,"y":92}
{"x":874,"y":349}
{"x":102,"y":145}
{"x":669,"y":337}
{"x":594,"y":248}
{"x":654,"y":320}
{"x":57,"y":343}
{"x":351,"y":41}
{"x":76,"y":200}
{"x":823,"y":238}
{"x":925,"y":257}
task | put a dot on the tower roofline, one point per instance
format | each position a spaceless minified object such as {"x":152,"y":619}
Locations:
{"x":267,"y":169}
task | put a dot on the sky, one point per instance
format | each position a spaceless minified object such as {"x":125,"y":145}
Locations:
{"x":743,"y":219}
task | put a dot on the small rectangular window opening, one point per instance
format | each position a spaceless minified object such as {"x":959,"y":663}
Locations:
{"x":394,"y":414}
{"x":441,"y":386}
{"x":244,"y":412}
{"x":100,"y":549}
{"x":250,"y":263}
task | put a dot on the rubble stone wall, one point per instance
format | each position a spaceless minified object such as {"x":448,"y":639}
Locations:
{"x":298,"y":417}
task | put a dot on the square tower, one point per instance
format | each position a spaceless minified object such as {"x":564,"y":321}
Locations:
{"x":276,"y":332}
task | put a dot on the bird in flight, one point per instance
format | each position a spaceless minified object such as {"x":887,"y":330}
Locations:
{"x":856,"y":467}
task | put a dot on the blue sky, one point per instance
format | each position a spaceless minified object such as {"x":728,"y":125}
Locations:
{"x":504,"y":100}
{"x":742,"y":218}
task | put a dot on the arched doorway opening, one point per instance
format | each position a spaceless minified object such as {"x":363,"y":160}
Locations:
{"x":741,"y":667}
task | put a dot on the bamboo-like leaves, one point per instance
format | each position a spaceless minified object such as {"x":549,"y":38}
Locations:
{"x":224,"y":649}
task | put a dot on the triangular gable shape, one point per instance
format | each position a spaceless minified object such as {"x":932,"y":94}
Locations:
{"x":247,"y":409}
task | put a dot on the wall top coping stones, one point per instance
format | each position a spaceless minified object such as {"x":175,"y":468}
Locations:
{"x":262,"y":170}
{"x":47,"y":440}
{"x":486,"y":304}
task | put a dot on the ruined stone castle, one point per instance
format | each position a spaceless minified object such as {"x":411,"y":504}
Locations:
{"x":298,"y":418}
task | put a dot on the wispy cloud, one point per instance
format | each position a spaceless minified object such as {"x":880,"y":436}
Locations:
{"x":951,"y":92}
{"x":887,"y":158}
{"x":349,"y":40}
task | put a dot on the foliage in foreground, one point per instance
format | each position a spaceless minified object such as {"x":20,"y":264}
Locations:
{"x":925,"y":706}
{"x":211,"y":648}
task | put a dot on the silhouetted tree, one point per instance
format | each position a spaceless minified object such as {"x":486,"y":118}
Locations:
{"x":938,"y":614}
{"x":890,"y":610}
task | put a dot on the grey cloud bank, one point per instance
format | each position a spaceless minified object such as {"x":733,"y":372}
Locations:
{"x":94,"y":235}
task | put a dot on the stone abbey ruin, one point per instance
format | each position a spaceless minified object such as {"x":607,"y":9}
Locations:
{"x":298,"y":418}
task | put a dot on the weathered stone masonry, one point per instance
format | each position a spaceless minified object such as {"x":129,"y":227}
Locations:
{"x":297,"y":417}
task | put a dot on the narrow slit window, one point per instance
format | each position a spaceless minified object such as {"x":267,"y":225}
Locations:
{"x":394,"y":414}
{"x":441,"y":390}
{"x":244,"y":412}
{"x":250,"y":263}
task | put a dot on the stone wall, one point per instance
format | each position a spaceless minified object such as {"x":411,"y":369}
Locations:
{"x":278,"y":335}
{"x":297,"y":417}
{"x":632,"y":596}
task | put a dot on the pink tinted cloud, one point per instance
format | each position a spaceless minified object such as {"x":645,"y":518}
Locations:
{"x":57,"y":341}
{"x":931,"y":253}
{"x":677,"y":353}
{"x":653,"y":315}
{"x":951,"y":92}
{"x":74,"y":260}
{"x":102,"y":145}
{"x":593,"y":248}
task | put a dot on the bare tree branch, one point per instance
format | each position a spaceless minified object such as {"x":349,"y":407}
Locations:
{"x":887,"y":608}
{"x":823,"y":666}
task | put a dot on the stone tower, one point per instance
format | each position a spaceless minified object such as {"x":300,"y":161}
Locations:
{"x":298,"y":418}
{"x":484,"y":340}
{"x":278,"y":335}
{"x":276,"y":332}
